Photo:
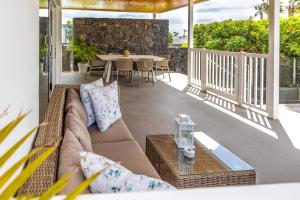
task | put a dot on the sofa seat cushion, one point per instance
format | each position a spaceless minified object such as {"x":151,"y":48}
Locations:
{"x":74,"y":123}
{"x":73,"y":101}
{"x":117,"y":132}
{"x":69,"y":161}
{"x":130,"y":154}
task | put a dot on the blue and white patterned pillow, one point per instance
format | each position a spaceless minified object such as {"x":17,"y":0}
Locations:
{"x":86,"y":99}
{"x":115,"y":178}
{"x":106,"y":106}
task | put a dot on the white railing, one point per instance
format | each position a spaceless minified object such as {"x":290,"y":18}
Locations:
{"x":238,"y":76}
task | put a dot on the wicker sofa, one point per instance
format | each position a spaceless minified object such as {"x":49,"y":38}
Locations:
{"x":116,"y":143}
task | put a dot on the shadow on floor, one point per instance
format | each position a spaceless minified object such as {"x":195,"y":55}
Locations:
{"x":263,"y":143}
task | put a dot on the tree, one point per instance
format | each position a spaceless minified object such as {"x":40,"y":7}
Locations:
{"x":170,"y":38}
{"x":68,"y":30}
{"x":293,"y":7}
{"x":176,"y":34}
{"x":262,"y":9}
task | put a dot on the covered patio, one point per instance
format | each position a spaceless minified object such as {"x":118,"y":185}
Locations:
{"x":221,"y":90}
{"x":233,"y":97}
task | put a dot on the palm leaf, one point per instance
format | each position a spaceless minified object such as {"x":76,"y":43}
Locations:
{"x":4,"y":113}
{"x":80,"y":188}
{"x":57,"y":187}
{"x":11,"y":189}
{"x":9,"y":173}
{"x":15,"y":147}
{"x":4,"y":132}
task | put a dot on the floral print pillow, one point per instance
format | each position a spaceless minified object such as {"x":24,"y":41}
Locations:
{"x":115,"y":178}
{"x":86,"y":99}
{"x":106,"y":106}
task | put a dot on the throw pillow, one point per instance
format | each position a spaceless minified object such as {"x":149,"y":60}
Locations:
{"x":87,"y":101}
{"x":74,"y":123}
{"x":116,"y":178}
{"x":106,"y":106}
{"x":73,"y":101}
{"x":69,"y":161}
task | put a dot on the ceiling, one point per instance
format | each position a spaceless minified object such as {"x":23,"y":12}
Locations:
{"x":147,"y":6}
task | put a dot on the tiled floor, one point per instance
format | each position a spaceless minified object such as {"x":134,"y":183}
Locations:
{"x":272,"y":147}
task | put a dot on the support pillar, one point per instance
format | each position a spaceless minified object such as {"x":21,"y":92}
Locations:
{"x":190,"y":36}
{"x":274,"y":59}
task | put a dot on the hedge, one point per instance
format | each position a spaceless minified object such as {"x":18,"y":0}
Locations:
{"x":248,"y":35}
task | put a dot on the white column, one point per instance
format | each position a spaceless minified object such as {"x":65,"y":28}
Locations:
{"x":190,"y":36}
{"x":58,"y":28}
{"x":274,"y":59}
{"x":190,"y":23}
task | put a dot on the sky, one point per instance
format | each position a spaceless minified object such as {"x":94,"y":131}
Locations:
{"x":206,"y":12}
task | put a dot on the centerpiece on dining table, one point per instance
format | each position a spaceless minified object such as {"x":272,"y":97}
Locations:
{"x":126,"y":53}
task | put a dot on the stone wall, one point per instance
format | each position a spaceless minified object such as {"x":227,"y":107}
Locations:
{"x":178,"y":61}
{"x":140,"y":36}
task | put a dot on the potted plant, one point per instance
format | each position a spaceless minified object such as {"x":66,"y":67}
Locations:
{"x":83,"y":53}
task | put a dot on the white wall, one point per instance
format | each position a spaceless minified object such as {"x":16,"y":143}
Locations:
{"x":19,"y":68}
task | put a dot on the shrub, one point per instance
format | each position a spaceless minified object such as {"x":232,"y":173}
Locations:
{"x":247,"y":35}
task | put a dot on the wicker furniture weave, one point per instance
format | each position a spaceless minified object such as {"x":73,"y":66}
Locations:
{"x":48,"y":135}
{"x":205,"y":170}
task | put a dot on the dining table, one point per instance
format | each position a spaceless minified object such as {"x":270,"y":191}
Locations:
{"x":110,"y":58}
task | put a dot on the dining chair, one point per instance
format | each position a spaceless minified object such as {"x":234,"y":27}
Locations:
{"x":94,"y":66}
{"x":164,"y":66}
{"x":145,"y":65}
{"x":124,"y":65}
{"x":113,"y":65}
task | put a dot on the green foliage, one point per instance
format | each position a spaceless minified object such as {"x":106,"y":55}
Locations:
{"x":170,"y":38}
{"x":293,"y":7}
{"x":247,"y":35}
{"x":68,"y":30}
{"x":43,"y":50}
{"x":82,"y":51}
{"x":9,"y":188}
{"x":184,"y":45}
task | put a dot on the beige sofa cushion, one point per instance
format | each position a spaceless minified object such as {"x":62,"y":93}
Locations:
{"x":74,"y":123}
{"x":117,"y":132}
{"x":130,"y":154}
{"x":69,"y":161}
{"x":73,"y":101}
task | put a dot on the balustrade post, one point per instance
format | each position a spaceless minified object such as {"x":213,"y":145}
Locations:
{"x":203,"y":69}
{"x":189,"y":66}
{"x":239,"y":86}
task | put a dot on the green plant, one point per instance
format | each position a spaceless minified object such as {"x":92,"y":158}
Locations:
{"x":68,"y":30}
{"x":43,"y":50}
{"x":83,"y":52}
{"x":9,"y":187}
{"x":184,"y":45}
{"x":170,"y":38}
{"x":248,"y":35}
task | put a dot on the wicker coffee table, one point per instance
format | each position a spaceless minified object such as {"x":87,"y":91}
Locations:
{"x":213,"y":164}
